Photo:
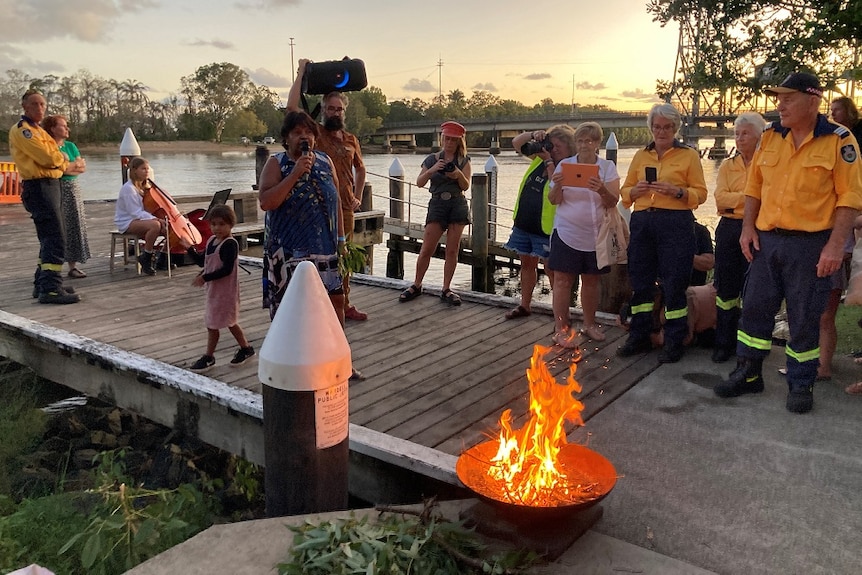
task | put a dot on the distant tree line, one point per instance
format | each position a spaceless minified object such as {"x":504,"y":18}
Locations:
{"x":218,"y":102}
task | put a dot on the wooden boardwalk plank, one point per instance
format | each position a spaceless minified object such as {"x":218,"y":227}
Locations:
{"x":437,"y":375}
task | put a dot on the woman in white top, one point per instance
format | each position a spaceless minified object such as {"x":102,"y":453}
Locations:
{"x":130,"y":215}
{"x":576,"y":225}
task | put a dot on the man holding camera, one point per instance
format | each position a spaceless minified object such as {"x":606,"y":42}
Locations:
{"x":534,"y":213}
{"x":343,"y":149}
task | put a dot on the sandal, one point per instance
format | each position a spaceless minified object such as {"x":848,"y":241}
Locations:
{"x":854,"y":388}
{"x":567,"y":339}
{"x":76,"y":273}
{"x":594,"y":333}
{"x":410,"y":293}
{"x":519,"y":311}
{"x":450,"y":297}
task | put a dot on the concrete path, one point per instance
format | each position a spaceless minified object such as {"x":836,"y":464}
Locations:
{"x":735,"y":485}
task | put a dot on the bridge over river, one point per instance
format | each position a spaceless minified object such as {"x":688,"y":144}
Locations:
{"x":404,"y":133}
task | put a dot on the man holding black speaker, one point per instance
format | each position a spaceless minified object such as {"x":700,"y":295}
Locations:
{"x":343,"y":149}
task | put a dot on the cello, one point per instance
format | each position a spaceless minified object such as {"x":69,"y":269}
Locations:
{"x":160,"y":203}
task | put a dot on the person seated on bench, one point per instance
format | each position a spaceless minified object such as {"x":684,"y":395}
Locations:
{"x":130,"y":217}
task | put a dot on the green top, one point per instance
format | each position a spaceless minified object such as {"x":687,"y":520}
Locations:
{"x":71,"y":152}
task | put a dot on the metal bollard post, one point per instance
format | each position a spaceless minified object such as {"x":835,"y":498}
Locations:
{"x":395,"y":257}
{"x":261,"y":155}
{"x":304,"y":368}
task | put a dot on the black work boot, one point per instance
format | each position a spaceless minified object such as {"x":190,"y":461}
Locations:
{"x":147,"y":263}
{"x":800,"y":400}
{"x":746,"y":378}
{"x":634,"y":345}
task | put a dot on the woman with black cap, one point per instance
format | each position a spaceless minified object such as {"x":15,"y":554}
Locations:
{"x":448,"y":172}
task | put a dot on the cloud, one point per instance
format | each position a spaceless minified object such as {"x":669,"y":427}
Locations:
{"x":639,"y":94}
{"x":486,"y":86}
{"x":86,"y":20}
{"x":220,"y":44}
{"x":267,"y":4}
{"x":539,"y":76}
{"x":417,"y":85}
{"x":266,"y":78}
{"x":591,"y":87}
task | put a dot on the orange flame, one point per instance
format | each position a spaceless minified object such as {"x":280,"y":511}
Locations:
{"x":526,"y":465}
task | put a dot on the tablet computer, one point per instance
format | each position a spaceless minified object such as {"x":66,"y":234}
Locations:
{"x":577,"y":175}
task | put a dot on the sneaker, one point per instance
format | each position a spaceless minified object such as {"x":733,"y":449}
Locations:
{"x":355,"y":314}
{"x":800,"y":400}
{"x":242,"y":355}
{"x":59,"y":297}
{"x":203,"y":364}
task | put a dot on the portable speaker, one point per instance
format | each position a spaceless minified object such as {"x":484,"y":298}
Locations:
{"x":337,"y":75}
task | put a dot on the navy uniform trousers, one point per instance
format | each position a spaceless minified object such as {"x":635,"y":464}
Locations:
{"x":730,"y":269}
{"x":41,"y":198}
{"x":785,"y":268}
{"x":661,"y":247}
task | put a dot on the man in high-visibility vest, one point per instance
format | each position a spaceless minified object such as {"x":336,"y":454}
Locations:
{"x":41,"y":163}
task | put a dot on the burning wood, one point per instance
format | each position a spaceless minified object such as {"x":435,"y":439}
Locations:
{"x":534,"y":466}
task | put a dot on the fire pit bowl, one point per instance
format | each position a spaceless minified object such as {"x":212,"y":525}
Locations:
{"x":589,"y":475}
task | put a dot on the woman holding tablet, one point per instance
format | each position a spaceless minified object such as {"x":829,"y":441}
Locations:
{"x":582,"y":187}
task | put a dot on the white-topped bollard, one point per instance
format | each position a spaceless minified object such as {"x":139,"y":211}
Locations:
{"x":395,"y":257}
{"x":304,"y":367}
{"x":612,"y":147}
{"x":492,"y":169}
{"x":129,"y":148}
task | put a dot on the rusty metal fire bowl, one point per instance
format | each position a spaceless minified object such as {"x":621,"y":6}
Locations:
{"x":589,"y":477}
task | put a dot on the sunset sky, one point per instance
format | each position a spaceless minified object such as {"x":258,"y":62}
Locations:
{"x":609,"y":51}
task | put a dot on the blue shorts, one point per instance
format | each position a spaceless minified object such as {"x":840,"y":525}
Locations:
{"x":571,"y":261}
{"x":527,"y":244}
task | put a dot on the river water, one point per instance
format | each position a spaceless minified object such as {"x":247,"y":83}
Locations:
{"x":203,"y":173}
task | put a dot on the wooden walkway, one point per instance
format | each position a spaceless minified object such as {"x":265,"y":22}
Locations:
{"x":438,"y":376}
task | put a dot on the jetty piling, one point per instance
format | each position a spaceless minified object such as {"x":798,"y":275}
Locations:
{"x":395,"y":258}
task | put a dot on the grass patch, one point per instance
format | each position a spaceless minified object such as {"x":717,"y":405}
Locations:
{"x":849,"y":332}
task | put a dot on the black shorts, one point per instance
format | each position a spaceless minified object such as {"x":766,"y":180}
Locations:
{"x":571,"y":261}
{"x":445,"y":212}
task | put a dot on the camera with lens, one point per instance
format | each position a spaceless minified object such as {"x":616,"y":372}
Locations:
{"x":532,"y":147}
{"x":449,"y":167}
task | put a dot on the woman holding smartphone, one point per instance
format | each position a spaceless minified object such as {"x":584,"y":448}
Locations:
{"x":663,"y":186}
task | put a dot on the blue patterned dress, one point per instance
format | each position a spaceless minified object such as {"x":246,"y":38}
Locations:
{"x":303,"y":228}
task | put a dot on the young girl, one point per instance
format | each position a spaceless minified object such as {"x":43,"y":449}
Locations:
{"x":219,"y":261}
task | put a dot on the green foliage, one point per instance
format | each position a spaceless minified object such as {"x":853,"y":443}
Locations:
{"x":352,"y":260}
{"x":134,"y":523}
{"x":742,"y":45}
{"x":220,"y":89}
{"x":392,"y":544}
{"x":21,"y":424}
{"x":244,"y":123}
{"x":246,"y":478}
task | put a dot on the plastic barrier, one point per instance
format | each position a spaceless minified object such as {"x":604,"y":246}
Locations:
{"x":10,"y":184}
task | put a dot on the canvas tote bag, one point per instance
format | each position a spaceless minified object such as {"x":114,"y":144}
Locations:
{"x":613,"y":240}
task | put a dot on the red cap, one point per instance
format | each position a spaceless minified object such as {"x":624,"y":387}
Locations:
{"x":452,"y":129}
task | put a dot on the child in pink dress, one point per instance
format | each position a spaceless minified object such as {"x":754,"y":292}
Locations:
{"x":219,"y":277}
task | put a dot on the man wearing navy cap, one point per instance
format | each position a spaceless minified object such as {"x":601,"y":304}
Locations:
{"x":41,"y":163}
{"x":803,"y":192}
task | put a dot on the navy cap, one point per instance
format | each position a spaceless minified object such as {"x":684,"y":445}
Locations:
{"x":798,"y":82}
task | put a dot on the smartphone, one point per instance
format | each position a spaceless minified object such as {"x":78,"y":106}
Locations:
{"x":651,"y":174}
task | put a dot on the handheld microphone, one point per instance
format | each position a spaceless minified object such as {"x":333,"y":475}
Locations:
{"x":305,"y":149}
